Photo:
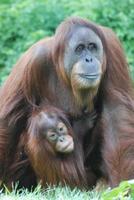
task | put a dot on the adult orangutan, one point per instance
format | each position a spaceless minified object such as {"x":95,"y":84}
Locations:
{"x":81,"y":69}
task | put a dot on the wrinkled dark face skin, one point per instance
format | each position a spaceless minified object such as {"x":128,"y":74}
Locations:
{"x":83,"y":58}
{"x":55,"y":132}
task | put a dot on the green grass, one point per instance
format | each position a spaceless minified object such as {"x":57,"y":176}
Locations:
{"x":125,"y":191}
{"x":55,"y":193}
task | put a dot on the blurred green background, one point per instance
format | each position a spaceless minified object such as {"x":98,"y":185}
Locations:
{"x":23,"y":22}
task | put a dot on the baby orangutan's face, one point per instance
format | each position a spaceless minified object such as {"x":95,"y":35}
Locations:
{"x":56,"y":132}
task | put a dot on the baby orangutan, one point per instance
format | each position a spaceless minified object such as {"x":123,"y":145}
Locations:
{"x":50,"y":149}
{"x":53,"y":129}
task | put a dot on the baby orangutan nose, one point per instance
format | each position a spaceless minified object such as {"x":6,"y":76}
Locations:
{"x":65,"y":144}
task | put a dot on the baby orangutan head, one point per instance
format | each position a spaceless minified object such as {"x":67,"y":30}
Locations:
{"x":51,"y":129}
{"x":54,"y":130}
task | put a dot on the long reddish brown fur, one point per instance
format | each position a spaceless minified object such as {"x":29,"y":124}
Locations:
{"x":39,"y":78}
{"x":50,"y":166}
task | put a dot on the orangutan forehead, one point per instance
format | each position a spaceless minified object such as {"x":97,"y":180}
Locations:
{"x":47,"y":119}
{"x":83,"y":34}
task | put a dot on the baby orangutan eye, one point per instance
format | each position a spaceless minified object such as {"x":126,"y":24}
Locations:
{"x":51,"y":136}
{"x":61,"y":128}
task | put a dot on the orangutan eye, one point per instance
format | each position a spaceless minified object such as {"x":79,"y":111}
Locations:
{"x":61,"y":128}
{"x":92,"y":46}
{"x":80,"y":48}
{"x":52,"y":136}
